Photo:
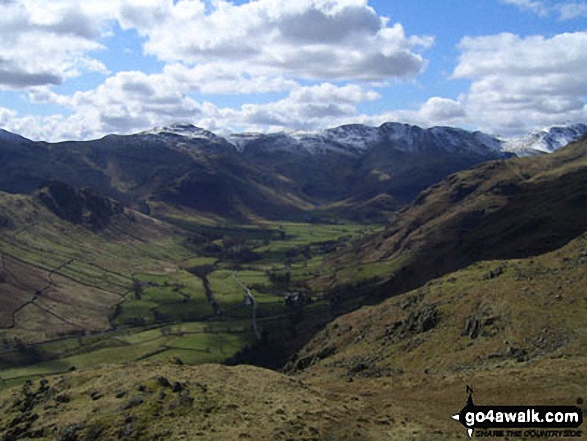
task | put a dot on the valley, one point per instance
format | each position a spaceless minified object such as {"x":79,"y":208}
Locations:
{"x":346,"y":284}
{"x":134,"y":291}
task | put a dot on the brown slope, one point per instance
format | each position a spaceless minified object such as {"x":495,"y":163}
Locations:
{"x":497,"y":210}
{"x":58,"y":276}
{"x":516,"y":330}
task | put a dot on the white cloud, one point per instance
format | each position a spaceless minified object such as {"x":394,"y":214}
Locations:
{"x":225,"y":79}
{"x":310,"y":51}
{"x":569,"y":11}
{"x":442,"y":111}
{"x":46,"y":42}
{"x":310,"y":39}
{"x":130,"y":102}
{"x":543,"y":8}
{"x":126,"y":102}
{"x":436,"y":111}
{"x":521,"y":83}
{"x":305,"y":108}
{"x":6,"y":115}
{"x":537,"y":7}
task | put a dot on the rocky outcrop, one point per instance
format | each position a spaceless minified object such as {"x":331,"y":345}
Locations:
{"x":82,"y":207}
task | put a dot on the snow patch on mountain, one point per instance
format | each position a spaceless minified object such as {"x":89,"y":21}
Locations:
{"x":188,"y":131}
{"x":544,"y":141}
{"x":349,"y":140}
{"x":356,"y":139}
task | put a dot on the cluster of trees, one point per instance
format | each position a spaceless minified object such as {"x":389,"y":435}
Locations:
{"x":280,"y":280}
{"x":18,"y":345}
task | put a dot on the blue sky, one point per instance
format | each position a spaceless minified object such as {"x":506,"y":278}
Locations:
{"x":82,"y":69}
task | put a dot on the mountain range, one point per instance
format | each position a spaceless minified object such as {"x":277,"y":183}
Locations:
{"x":355,"y":139}
{"x":350,"y":172}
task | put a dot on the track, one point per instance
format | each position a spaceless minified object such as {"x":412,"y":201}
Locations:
{"x":253,"y":302}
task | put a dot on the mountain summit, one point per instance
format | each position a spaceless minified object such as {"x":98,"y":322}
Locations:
{"x":186,"y":131}
{"x":544,"y":141}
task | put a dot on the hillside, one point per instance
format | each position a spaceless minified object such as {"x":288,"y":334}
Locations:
{"x":513,"y":329}
{"x":65,"y":274}
{"x":85,"y":282}
{"x":497,"y":210}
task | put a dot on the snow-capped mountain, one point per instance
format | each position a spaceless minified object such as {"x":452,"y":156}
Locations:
{"x":356,"y":139}
{"x":544,"y":141}
{"x":188,"y":131}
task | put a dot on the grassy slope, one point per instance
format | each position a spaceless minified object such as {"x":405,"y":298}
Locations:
{"x":75,"y":275}
{"x":60,"y":281}
{"x":530,"y":349}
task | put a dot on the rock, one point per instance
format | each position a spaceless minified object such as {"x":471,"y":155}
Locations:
{"x":71,"y":433}
{"x":133,"y":402}
{"x":177,"y":387}
{"x":63,"y":398}
{"x":163,"y":381}
{"x":127,"y":430}
{"x":482,"y":323}
{"x":494,"y":273}
{"x":422,"y":320}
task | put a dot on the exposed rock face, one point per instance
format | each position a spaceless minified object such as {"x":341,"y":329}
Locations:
{"x":83,"y":207}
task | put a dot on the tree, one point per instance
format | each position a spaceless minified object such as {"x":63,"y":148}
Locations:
{"x":137,"y":288}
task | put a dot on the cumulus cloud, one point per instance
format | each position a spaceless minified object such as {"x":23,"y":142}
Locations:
{"x":46,"y":42}
{"x":305,"y":108}
{"x":520,"y":83}
{"x":323,"y":57}
{"x":311,"y":39}
{"x":223,"y":79}
{"x":6,"y":115}
{"x":436,"y":111}
{"x":126,"y":102}
{"x":569,"y":11}
{"x":130,"y":102}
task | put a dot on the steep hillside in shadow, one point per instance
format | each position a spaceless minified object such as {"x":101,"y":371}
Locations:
{"x":498,"y":210}
{"x":275,"y":177}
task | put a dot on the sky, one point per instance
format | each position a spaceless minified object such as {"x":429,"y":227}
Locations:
{"x":81,"y":69}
